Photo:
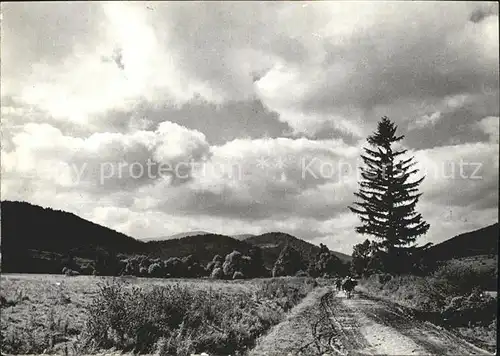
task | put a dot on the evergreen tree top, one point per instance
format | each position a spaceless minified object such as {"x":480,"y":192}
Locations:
{"x":385,"y":134}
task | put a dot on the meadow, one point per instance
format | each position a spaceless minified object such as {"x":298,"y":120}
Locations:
{"x":86,"y":314}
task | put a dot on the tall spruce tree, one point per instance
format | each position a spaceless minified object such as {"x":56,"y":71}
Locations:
{"x":388,"y":198}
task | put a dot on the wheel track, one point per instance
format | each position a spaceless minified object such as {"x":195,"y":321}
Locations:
{"x":339,"y":332}
{"x":333,"y":325}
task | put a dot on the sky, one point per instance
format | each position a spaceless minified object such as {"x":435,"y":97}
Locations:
{"x":154,"y":118}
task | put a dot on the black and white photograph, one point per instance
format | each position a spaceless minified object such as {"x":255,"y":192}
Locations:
{"x":249,"y":178}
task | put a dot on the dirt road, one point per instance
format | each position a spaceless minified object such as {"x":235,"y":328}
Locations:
{"x":329,"y":323}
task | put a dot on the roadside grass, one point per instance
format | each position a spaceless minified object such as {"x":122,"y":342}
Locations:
{"x":297,"y":334}
{"x":470,"y":272}
{"x":42,"y":313}
{"x":453,"y":297}
{"x":85,"y":314}
{"x":178,"y":319}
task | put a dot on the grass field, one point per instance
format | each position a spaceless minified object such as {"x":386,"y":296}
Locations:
{"x":75,"y":315}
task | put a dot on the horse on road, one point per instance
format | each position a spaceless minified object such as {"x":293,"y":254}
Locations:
{"x":348,"y":285}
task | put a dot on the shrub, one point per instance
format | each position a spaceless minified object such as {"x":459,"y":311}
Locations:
{"x":232,"y":263}
{"x":87,"y":269}
{"x":238,"y":275}
{"x":301,"y":274}
{"x":384,"y":278}
{"x":218,"y":258}
{"x":155,"y":270}
{"x":326,"y":264}
{"x":256,"y":267}
{"x":131,"y":268}
{"x":216,"y":262}
{"x":476,"y":308}
{"x":288,"y":263}
{"x":192,"y":267}
{"x":177,"y":320}
{"x":413,"y":291}
{"x":462,"y":277}
{"x":174,"y":267}
{"x":217,"y":273}
{"x":143,"y":271}
{"x":70,"y":272}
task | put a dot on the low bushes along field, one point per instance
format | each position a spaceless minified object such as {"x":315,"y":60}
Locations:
{"x":145,"y":316}
{"x":453,"y":296}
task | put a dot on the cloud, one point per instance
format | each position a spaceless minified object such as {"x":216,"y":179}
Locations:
{"x":489,"y":125}
{"x":460,"y":175}
{"x":428,"y":119}
{"x":411,"y":53}
{"x":104,"y":161}
{"x":44,"y":33}
{"x":254,"y":179}
{"x":329,"y":70}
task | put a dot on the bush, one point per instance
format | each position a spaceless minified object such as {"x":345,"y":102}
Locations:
{"x":87,"y":269}
{"x":155,"y":270}
{"x":218,"y":258}
{"x":327,"y":264}
{"x":289,"y":262}
{"x":461,"y":277}
{"x":384,"y":278}
{"x":413,"y":291}
{"x":453,"y":302}
{"x":238,"y":275}
{"x":301,"y":274}
{"x":476,"y":308}
{"x":213,"y":265}
{"x":174,"y":267}
{"x":232,"y":263}
{"x":70,"y":272}
{"x":176,"y":320}
{"x":217,"y":273}
{"x":192,"y":268}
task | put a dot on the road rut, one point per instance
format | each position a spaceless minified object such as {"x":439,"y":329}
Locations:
{"x":329,"y":323}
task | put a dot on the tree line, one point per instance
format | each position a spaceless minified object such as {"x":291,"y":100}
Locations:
{"x":234,"y":265}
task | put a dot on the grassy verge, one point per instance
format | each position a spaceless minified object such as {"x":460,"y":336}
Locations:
{"x":166,"y":317}
{"x":469,"y":313}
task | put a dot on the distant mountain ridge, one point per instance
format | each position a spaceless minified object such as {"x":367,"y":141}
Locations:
{"x":177,"y":236}
{"x":26,"y":225}
{"x":242,"y":237}
{"x":30,"y":232}
{"x":36,"y":239}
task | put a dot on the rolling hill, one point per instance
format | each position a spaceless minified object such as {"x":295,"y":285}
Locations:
{"x":203,"y":247}
{"x":272,"y":243}
{"x":27,"y":226}
{"x":36,"y":239}
{"x":474,"y":243}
